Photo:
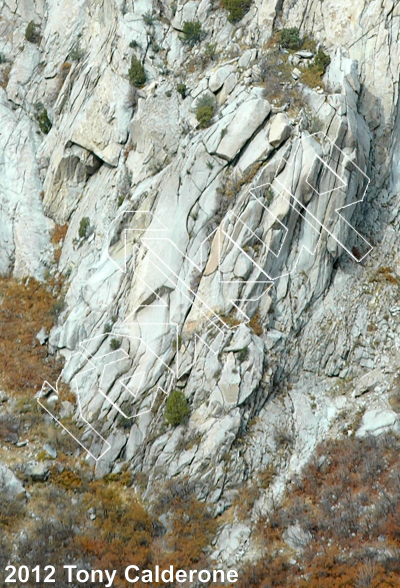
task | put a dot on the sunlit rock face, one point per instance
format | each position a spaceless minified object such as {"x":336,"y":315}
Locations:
{"x":213,"y":254}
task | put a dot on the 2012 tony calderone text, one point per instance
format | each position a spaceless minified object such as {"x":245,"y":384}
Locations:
{"x":132,"y":574}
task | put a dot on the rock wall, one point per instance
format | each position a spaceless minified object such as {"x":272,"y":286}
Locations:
{"x":215,"y":256}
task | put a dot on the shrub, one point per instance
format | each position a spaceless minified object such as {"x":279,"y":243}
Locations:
{"x":122,"y":527}
{"x":77,"y":53}
{"x":276,"y":75}
{"x":137,"y":74}
{"x":148,"y":19}
{"x":10,"y":428}
{"x":192,"y":32}
{"x":115,"y":344}
{"x":176,"y":408}
{"x":153,"y":43}
{"x":290,"y":38}
{"x":134,"y":44}
{"x":42,"y":117}
{"x":205,"y":110}
{"x":59,"y":233}
{"x":321,"y":60}
{"x":243,"y":354}
{"x":191,"y":525}
{"x":182,"y":89}
{"x":311,"y":77}
{"x":57,"y":308}
{"x":236,"y":8}
{"x":5,"y":77}
{"x":107,"y":328}
{"x":23,"y":312}
{"x":255,"y":324}
{"x":84,"y":227}
{"x":67,"y":479}
{"x":32,"y":33}
{"x":11,"y":509}
{"x":210,"y":51}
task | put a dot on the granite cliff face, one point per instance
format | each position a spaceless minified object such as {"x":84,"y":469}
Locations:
{"x":296,"y":330}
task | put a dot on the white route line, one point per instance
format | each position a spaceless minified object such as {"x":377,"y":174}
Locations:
{"x":161,"y":266}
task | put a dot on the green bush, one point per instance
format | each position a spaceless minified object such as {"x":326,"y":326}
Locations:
{"x":115,"y":344}
{"x":134,"y":44}
{"x":182,"y":89}
{"x":311,"y":76}
{"x":57,"y":308}
{"x":137,"y":75}
{"x":290,"y":38}
{"x":43,"y":118}
{"x":210,"y":51}
{"x":192,"y":32}
{"x":32,"y":32}
{"x":148,"y":19}
{"x":321,"y":60}
{"x":176,"y":408}
{"x":236,"y":8}
{"x":84,"y":227}
{"x":205,"y":110}
{"x":77,"y":53}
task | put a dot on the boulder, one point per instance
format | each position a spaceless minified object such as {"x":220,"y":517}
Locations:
{"x":247,"y":57}
{"x":376,"y":421}
{"x":10,"y":486}
{"x":218,"y":78}
{"x":42,"y":336}
{"x":249,"y":116}
{"x":50,"y":450}
{"x":117,"y":441}
{"x":280,"y":129}
{"x":229,"y":84}
{"x":257,"y":151}
{"x":305,"y":54}
{"x":368,"y":382}
{"x":37,"y":472}
{"x":67,"y":409}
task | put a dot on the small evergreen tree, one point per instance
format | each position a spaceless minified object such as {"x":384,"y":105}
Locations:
{"x":176,"y":408}
{"x":32,"y":33}
{"x":236,"y":8}
{"x":84,"y":227}
{"x":290,"y":38}
{"x":193,"y":32}
{"x":205,"y":110}
{"x":321,"y":61}
{"x":137,"y":74}
{"x":42,"y":117}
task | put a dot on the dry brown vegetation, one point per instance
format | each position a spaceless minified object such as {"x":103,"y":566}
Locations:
{"x":123,"y":530}
{"x":58,"y":237}
{"x":385,"y":274}
{"x":276,"y":76}
{"x":25,"y":308}
{"x":348,"y":500}
{"x":5,"y":76}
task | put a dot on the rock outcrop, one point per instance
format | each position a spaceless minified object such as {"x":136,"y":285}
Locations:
{"x":212,"y":260}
